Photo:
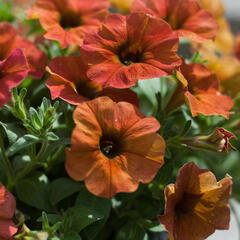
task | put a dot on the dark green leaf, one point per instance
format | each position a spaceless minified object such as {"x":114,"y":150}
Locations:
{"x":100,"y":205}
{"x":62,"y":188}
{"x":79,"y":217}
{"x":33,"y":191}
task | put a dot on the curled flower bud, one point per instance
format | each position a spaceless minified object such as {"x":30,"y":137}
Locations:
{"x":218,"y":141}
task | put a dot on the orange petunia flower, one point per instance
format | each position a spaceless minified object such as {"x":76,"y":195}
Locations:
{"x":13,"y":70}
{"x":7,"y":210}
{"x":68,"y":80}
{"x":9,"y":40}
{"x":114,"y":147}
{"x":120,"y":54}
{"x":67,"y":21}
{"x":196,"y":201}
{"x":186,"y":17}
{"x":199,"y":87}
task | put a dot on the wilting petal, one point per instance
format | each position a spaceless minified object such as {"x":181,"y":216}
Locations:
{"x":209,"y":104}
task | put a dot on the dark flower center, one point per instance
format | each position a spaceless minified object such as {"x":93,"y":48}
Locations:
{"x":129,"y":54}
{"x":88,"y":90}
{"x":110,"y":148}
{"x":70,"y":20}
{"x":186,"y":204}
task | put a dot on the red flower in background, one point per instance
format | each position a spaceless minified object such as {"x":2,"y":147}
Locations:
{"x":7,"y":210}
{"x":68,"y":80}
{"x":196,"y":205}
{"x":9,"y":40}
{"x":185,"y":17}
{"x":67,"y":21}
{"x":121,"y":53}
{"x":114,"y":147}
{"x":13,"y":70}
{"x":200,"y":88}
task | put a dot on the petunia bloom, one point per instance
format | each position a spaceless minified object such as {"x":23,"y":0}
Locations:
{"x":7,"y":209}
{"x":186,"y":17}
{"x":67,"y":21}
{"x":114,"y":147}
{"x":199,"y":87}
{"x":68,"y":80}
{"x":196,"y":201}
{"x":120,"y":54}
{"x":13,"y":70}
{"x":9,"y":40}
{"x":218,"y":141}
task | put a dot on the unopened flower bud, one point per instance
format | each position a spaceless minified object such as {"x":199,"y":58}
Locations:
{"x":218,"y":141}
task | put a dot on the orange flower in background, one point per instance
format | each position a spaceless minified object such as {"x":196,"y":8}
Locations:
{"x":121,"y":53}
{"x":186,"y":17}
{"x":200,"y":88}
{"x":13,"y":70}
{"x":237,"y":47}
{"x":68,"y":80}
{"x":196,"y":201}
{"x":7,"y":210}
{"x":9,"y":40}
{"x":214,"y":6}
{"x":67,"y":21}
{"x":122,"y":6}
{"x":221,"y":58}
{"x":114,"y":147}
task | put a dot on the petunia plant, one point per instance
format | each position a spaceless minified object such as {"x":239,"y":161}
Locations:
{"x":119,"y":120}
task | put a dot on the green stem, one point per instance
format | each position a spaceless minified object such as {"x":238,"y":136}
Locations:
{"x":7,"y":164}
{"x":34,"y":161}
{"x":42,"y":150}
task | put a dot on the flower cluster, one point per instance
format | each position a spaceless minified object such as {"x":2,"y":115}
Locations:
{"x":129,"y":97}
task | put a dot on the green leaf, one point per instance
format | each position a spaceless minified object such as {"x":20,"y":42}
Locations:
{"x":100,"y":205}
{"x":12,"y":131}
{"x":79,"y":217}
{"x":62,"y":188}
{"x":22,"y":143}
{"x":33,"y":191}
{"x":72,"y":236}
{"x":52,"y":136}
{"x":35,"y":120}
{"x":131,"y":231}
